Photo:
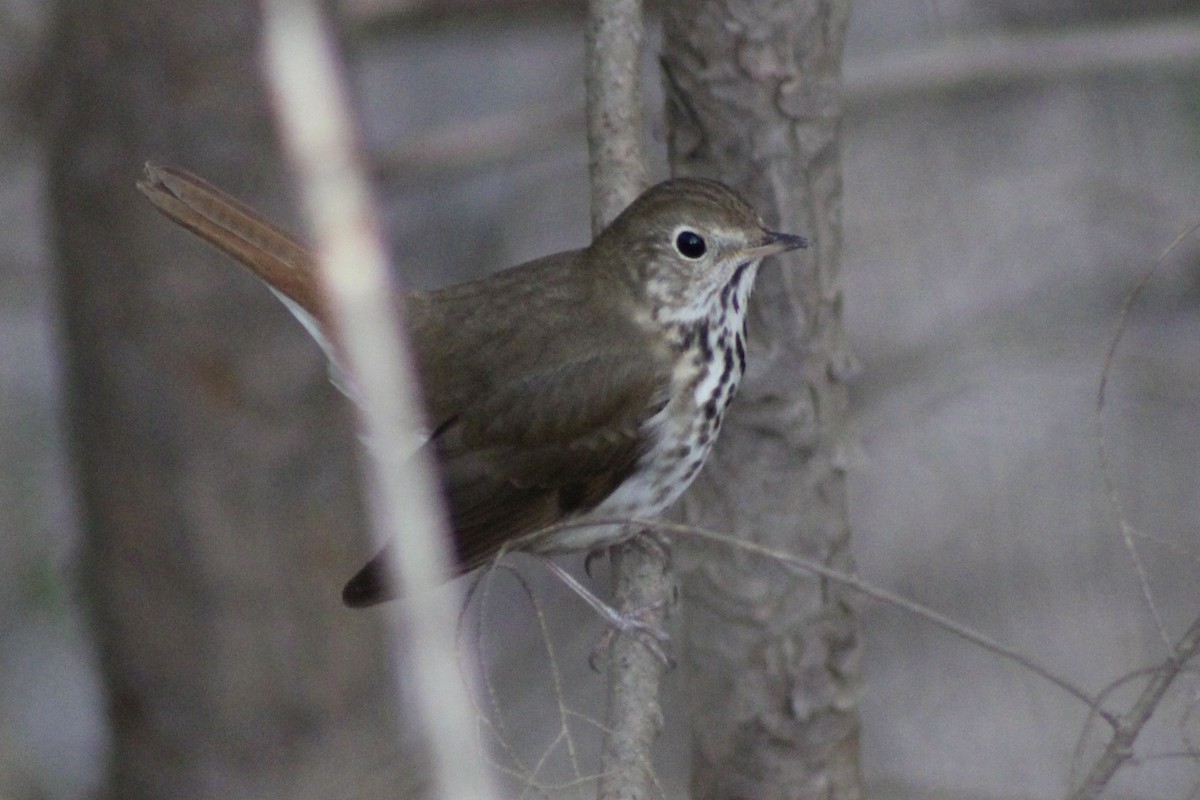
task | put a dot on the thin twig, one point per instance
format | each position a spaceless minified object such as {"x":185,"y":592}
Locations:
{"x":494,"y":718}
{"x":1120,"y":747}
{"x":303,"y":74}
{"x":1128,"y":532}
{"x":875,"y":592}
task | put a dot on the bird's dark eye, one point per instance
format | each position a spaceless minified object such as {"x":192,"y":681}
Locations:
{"x":690,"y":244}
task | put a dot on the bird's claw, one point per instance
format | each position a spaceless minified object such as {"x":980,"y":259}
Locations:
{"x":634,"y":623}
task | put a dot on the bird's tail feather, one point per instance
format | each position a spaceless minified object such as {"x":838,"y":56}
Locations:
{"x":275,"y":256}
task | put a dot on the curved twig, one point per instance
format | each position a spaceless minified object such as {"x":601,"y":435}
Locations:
{"x":1128,"y":532}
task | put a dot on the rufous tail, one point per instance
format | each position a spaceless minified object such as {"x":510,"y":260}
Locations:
{"x":274,"y":255}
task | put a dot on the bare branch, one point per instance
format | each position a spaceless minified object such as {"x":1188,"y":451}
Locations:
{"x":616,"y":160}
{"x":634,"y":675}
{"x":303,"y":74}
{"x":617,"y":167}
{"x":1101,"y":699}
{"x":1120,"y":747}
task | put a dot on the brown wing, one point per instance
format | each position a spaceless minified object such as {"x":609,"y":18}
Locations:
{"x":537,"y":380}
{"x":534,"y":451}
{"x":543,"y":448}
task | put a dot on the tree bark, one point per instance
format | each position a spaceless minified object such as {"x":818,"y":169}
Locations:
{"x":214,"y":462}
{"x":753,"y":91}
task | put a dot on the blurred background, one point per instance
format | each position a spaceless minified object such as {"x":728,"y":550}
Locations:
{"x":1012,"y":169}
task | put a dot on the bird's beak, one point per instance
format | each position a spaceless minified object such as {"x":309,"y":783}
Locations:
{"x":774,"y":243}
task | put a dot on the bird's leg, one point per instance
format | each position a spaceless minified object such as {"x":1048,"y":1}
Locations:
{"x":649,"y":634}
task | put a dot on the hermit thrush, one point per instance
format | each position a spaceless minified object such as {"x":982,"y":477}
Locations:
{"x":586,"y":384}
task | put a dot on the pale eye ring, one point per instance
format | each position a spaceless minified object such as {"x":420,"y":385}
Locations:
{"x":690,"y":244}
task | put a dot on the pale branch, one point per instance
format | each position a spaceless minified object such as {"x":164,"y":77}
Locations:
{"x":464,"y":145}
{"x":303,"y":74}
{"x":958,"y":60}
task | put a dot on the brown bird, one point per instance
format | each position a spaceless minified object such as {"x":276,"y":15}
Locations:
{"x":586,"y":384}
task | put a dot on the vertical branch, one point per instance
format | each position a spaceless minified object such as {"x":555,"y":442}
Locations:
{"x":635,"y":674}
{"x":616,"y":160}
{"x":754,"y":92}
{"x":617,"y":167}
{"x":353,"y":268}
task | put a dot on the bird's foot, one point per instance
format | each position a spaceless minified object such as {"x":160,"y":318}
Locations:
{"x":655,"y":543}
{"x":651,"y":541}
{"x":635,"y":622}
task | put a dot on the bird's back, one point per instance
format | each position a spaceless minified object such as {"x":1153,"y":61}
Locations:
{"x":473,"y":338}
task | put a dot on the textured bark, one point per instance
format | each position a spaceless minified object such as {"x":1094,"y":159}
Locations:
{"x":753,"y":99}
{"x":214,"y":462}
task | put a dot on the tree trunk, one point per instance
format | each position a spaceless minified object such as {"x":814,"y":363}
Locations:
{"x":215,"y":464}
{"x":753,"y":91}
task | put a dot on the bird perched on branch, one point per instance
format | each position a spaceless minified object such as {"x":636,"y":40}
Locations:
{"x":588,"y":384}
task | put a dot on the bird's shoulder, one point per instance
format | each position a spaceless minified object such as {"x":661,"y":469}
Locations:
{"x":551,"y":325}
